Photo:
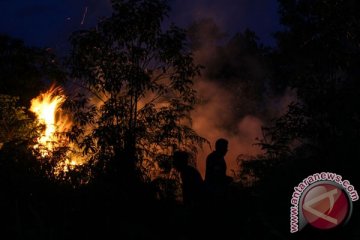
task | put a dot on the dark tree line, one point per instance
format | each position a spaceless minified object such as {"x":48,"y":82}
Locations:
{"x":317,"y":55}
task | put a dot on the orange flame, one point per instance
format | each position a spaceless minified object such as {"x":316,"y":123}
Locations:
{"x":47,"y":108}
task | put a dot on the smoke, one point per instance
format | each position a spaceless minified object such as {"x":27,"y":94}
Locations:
{"x":231,"y":15}
{"x":236,"y":100}
{"x":211,"y":119}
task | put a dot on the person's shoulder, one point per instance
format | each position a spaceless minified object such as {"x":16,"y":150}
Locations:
{"x":212,"y":156}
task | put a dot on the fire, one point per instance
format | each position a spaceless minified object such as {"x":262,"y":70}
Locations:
{"x":47,"y":108}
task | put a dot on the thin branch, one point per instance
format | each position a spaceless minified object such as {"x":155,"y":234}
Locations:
{"x":89,"y":89}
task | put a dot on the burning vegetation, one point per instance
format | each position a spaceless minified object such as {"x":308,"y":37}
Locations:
{"x":52,"y":141}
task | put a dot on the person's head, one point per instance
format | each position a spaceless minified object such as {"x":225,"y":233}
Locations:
{"x":221,"y":146}
{"x":181,"y":160}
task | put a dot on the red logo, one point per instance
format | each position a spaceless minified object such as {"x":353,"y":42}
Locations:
{"x":325,"y":206}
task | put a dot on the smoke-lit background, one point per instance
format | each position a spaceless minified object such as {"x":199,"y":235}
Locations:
{"x":234,"y":107}
{"x":235,"y":99}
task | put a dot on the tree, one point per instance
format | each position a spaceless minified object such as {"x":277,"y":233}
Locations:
{"x":23,"y":69}
{"x":137,"y":90}
{"x":16,"y":126}
{"x":318,"y":55}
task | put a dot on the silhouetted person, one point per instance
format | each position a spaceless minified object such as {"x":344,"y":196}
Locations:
{"x":216,"y":179}
{"x":192,"y":182}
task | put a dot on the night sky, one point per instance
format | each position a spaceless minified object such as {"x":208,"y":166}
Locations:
{"x":48,"y":23}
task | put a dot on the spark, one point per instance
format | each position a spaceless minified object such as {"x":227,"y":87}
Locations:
{"x":84,"y":15}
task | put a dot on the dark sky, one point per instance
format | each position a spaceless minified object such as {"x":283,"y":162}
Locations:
{"x":48,"y":23}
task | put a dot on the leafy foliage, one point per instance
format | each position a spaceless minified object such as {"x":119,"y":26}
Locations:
{"x":318,"y":55}
{"x":138,"y":90}
{"x":16,"y":126}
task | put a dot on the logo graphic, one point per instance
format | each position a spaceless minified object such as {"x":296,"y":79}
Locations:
{"x":322,"y":200}
{"x":325,"y":206}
